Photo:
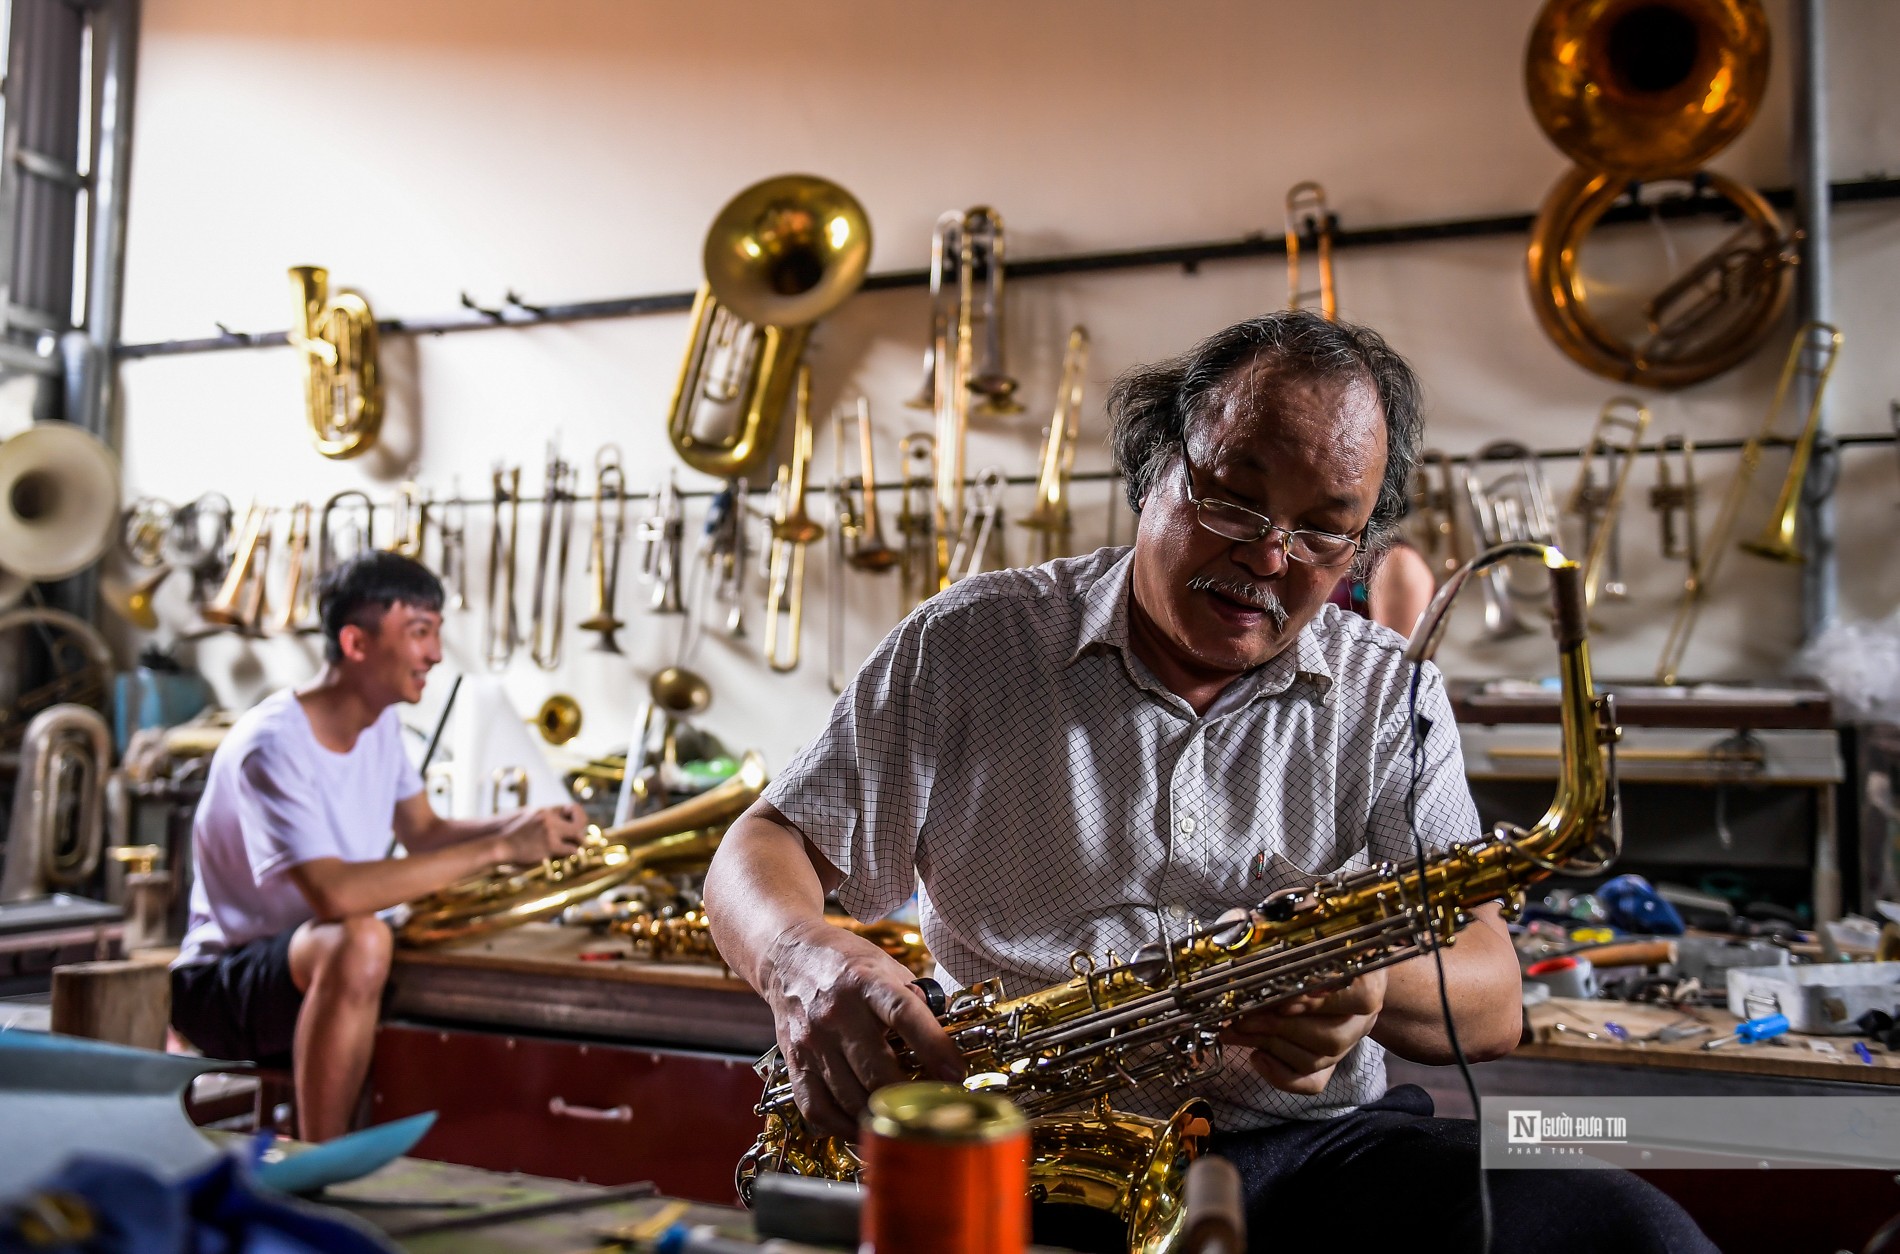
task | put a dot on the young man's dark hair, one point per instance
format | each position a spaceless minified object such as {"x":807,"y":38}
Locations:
{"x":360,"y":590}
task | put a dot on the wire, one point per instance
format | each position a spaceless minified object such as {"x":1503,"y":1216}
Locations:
{"x":1438,"y":951}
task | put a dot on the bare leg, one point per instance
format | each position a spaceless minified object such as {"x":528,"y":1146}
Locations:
{"x":341,"y":968}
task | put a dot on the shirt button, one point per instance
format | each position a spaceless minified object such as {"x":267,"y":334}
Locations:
{"x":1178,"y":912}
{"x":1187,"y":825}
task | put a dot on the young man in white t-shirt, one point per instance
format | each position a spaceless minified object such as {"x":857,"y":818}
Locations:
{"x":286,"y":953}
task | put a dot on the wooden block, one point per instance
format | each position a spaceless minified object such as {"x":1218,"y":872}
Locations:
{"x":127,"y":1002}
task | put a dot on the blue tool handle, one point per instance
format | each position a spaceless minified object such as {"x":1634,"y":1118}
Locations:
{"x":1762,"y":1029}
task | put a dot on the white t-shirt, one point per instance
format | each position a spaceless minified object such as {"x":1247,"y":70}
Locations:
{"x":276,"y":798}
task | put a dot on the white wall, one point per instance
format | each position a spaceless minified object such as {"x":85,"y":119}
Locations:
{"x":577,"y":149}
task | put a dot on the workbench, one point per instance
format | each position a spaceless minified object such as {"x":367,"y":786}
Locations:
{"x":610,"y":1069}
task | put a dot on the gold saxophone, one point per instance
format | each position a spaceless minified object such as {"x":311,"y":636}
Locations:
{"x":680,"y":837}
{"x":1155,"y":1019}
{"x":677,"y":930}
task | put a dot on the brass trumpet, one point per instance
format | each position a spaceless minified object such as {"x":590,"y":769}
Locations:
{"x":781,"y":255}
{"x":548,"y":614}
{"x":1811,"y":356}
{"x":603,"y":548}
{"x":500,"y":629}
{"x":142,"y":533}
{"x":661,"y":533}
{"x":335,"y":336}
{"x":1597,"y":503}
{"x":1308,"y":218}
{"x":1050,"y":516}
{"x":793,"y":529}
{"x":240,"y":599}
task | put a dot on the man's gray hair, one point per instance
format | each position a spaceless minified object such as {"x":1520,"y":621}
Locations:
{"x":1150,"y":406}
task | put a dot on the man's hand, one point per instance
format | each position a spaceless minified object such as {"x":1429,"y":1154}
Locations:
{"x":835,"y":998}
{"x":550,"y":832}
{"x":1297,"y":1043}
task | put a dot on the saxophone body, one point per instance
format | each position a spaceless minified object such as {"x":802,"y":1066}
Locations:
{"x":1153,"y":1019}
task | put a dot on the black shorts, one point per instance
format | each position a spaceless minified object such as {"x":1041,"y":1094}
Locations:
{"x":241,"y":1005}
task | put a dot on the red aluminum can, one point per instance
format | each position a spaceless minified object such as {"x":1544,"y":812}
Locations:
{"x":946,"y":1171}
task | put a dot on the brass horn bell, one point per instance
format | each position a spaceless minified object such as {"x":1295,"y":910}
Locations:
{"x":1651,"y":90}
{"x":782,"y":254}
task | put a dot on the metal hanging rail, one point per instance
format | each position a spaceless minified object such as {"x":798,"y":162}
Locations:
{"x":515,"y":312}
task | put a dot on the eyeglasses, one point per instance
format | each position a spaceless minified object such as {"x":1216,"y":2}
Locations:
{"x":1244,"y":526}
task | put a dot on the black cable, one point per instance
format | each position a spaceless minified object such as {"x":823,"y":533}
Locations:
{"x":1438,"y":954}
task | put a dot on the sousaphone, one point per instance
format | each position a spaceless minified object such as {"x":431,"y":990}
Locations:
{"x":1649,"y":91}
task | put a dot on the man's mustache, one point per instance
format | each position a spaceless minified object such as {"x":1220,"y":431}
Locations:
{"x":1260,"y":598}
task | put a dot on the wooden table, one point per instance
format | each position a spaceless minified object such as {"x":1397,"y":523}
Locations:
{"x":1793,"y":1056}
{"x":534,"y":977}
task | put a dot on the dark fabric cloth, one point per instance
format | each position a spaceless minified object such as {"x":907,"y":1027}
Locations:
{"x":242,"y":1005}
{"x":1391,"y":1176}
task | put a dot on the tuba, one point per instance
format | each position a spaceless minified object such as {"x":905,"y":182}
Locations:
{"x":682,"y":835}
{"x":1651,"y":90}
{"x":1154,"y":1018}
{"x":781,"y":255}
{"x":342,"y":381}
{"x":57,"y":830}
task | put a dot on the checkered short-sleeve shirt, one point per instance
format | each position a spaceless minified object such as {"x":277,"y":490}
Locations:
{"x":1005,"y":747}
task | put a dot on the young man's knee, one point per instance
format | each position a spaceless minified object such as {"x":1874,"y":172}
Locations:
{"x":356,"y":954}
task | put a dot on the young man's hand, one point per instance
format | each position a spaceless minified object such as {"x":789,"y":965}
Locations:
{"x":550,"y":832}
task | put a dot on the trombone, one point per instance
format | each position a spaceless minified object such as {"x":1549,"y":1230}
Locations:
{"x":1050,"y":516}
{"x":603,"y":548}
{"x":549,"y":609}
{"x":793,"y":529}
{"x":1670,"y":497}
{"x":916,"y":519}
{"x":1512,"y":507}
{"x":857,"y":537}
{"x":981,"y":229}
{"x":298,"y":607}
{"x":500,"y":629}
{"x":1308,"y":218}
{"x":240,"y":599}
{"x":1597,"y":503}
{"x":409,"y":515}
{"x":979,"y":545}
{"x":1445,"y":546}
{"x":1811,"y":356}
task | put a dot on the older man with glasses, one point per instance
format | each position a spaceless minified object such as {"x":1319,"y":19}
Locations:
{"x":1103,"y":751}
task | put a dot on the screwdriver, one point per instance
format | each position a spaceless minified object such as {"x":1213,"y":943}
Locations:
{"x":1752,"y":1032}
